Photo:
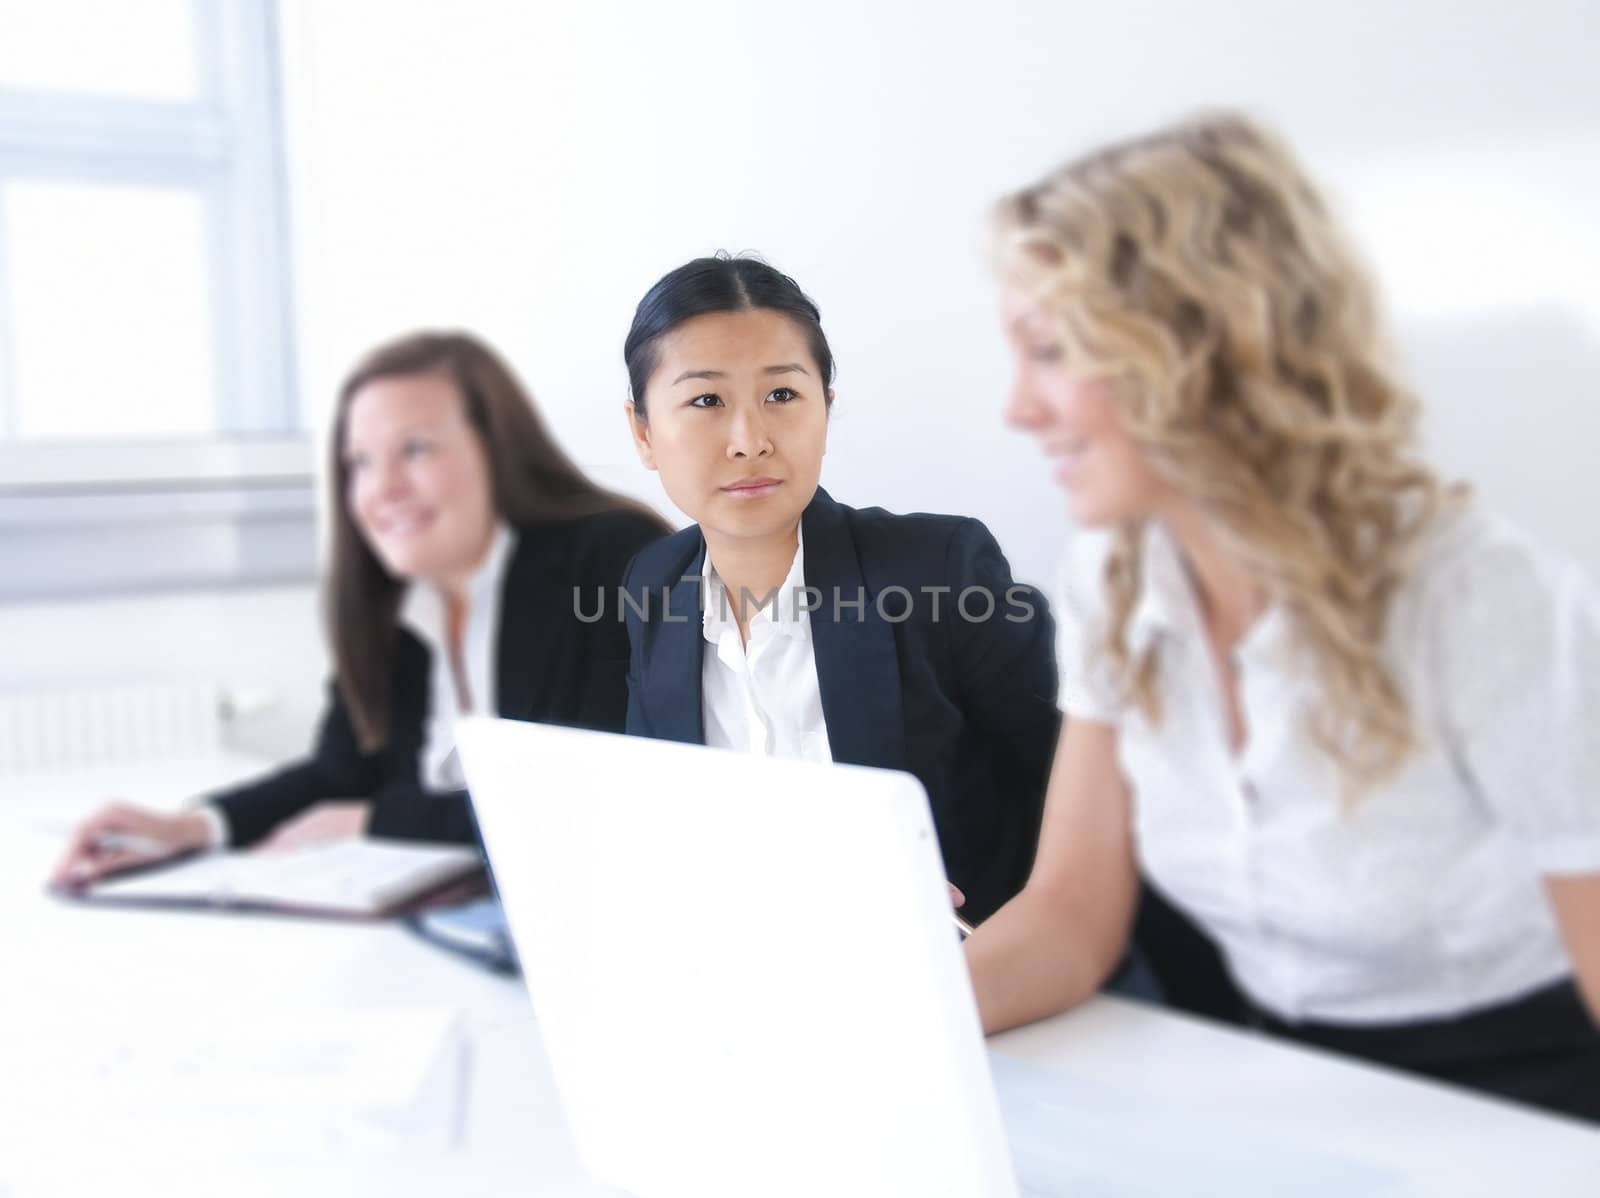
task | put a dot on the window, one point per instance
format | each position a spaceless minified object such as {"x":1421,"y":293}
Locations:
{"x":150,"y":435}
{"x":143,"y":250}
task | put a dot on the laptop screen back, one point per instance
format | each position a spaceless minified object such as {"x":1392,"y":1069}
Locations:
{"x":744,"y":969}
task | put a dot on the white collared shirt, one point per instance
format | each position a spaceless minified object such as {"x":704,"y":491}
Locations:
{"x":423,"y":612}
{"x":1424,"y":897}
{"x":762,"y":697}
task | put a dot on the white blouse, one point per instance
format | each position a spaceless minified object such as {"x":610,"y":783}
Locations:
{"x":762,"y":697}
{"x":1423,"y":898}
{"x":423,"y":612}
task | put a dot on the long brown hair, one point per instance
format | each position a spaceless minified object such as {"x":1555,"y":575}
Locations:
{"x":532,"y":482}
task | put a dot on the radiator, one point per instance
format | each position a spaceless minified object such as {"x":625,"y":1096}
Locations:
{"x":69,"y":729}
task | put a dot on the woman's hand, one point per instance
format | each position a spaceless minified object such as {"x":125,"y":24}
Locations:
{"x":956,"y":897}
{"x":121,"y":835}
{"x":325,"y":821}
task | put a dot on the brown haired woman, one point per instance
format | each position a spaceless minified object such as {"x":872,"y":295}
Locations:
{"x":463,"y":539}
{"x":1337,"y":713}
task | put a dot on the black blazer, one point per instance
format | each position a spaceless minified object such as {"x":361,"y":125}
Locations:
{"x":968,"y":706}
{"x":551,"y":667}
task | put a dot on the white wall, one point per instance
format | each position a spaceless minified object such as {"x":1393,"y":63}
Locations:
{"x":527,"y":170}
{"x":261,"y":643}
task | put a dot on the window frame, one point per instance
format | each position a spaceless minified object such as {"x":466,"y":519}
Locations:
{"x":82,"y":518}
{"x":224,"y":144}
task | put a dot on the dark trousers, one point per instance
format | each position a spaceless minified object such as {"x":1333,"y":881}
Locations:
{"x":1542,"y":1049}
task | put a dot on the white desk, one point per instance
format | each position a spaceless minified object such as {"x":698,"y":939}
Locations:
{"x":86,"y":962}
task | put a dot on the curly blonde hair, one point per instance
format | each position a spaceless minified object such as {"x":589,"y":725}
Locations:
{"x":1200,"y":271}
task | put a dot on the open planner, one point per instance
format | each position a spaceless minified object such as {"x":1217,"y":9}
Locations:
{"x":359,"y":878}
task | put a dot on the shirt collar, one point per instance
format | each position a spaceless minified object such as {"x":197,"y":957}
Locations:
{"x":1167,"y":605}
{"x":785,"y":615}
{"x":1164,"y":593}
{"x":422,"y":609}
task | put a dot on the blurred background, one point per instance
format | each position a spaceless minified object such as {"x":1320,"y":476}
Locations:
{"x":209,"y":208}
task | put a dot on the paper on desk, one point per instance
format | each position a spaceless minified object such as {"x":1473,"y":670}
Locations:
{"x":241,"y":1085}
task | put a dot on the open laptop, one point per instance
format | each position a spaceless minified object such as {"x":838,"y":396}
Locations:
{"x":744,"y":970}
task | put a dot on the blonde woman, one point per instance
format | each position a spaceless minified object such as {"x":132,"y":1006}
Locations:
{"x":1340,"y":716}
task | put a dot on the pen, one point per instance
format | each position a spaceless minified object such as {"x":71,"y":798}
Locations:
{"x":962,"y":925}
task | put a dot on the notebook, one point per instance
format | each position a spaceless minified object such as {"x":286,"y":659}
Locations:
{"x":353,"y":878}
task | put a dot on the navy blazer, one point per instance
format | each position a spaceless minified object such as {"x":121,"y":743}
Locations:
{"x":553,"y":664}
{"x":907,"y":682}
